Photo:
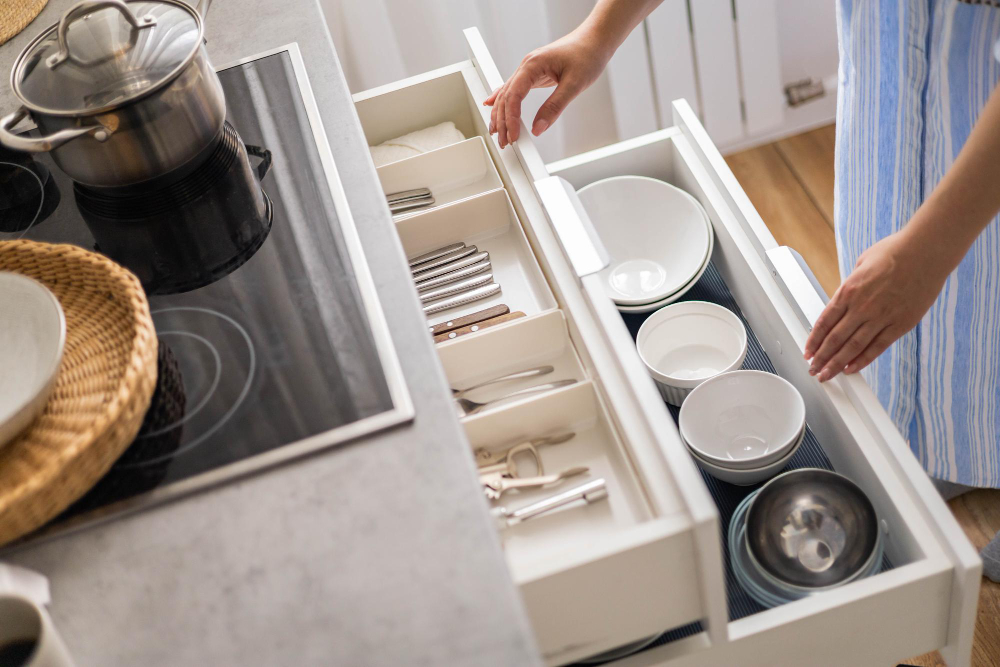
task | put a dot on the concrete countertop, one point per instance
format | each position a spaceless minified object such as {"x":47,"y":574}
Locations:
{"x":379,"y":552}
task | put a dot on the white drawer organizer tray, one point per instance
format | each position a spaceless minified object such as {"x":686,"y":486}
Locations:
{"x":652,"y":558}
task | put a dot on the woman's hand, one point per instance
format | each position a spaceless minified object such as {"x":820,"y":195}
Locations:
{"x":571,"y":64}
{"x":893,"y":284}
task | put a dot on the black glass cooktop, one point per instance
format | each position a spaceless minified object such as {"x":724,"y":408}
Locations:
{"x":267,"y":340}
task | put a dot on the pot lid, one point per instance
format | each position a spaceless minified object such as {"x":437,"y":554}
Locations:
{"x":106,"y":53}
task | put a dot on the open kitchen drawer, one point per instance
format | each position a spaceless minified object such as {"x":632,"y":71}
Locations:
{"x":655,"y":560}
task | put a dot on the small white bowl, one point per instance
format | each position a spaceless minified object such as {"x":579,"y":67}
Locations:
{"x":32,"y":337}
{"x":657,"y":235}
{"x":749,"y":476}
{"x":743,"y":419}
{"x":684,"y":344}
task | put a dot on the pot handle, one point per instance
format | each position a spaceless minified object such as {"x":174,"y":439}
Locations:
{"x":42,"y":144}
{"x":85,"y":7}
{"x":264,"y":155}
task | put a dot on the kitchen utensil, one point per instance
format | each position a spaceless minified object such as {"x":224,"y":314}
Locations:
{"x":657,"y":234}
{"x":588,"y":492}
{"x":473,"y":328}
{"x":121,"y":93}
{"x":415,"y":193}
{"x":746,"y":477}
{"x":456,"y":288}
{"x":32,"y":338}
{"x":496,"y":485}
{"x":742,"y":419}
{"x":686,"y":343}
{"x":28,"y":637}
{"x":656,"y":305}
{"x":453,"y":265}
{"x":410,"y":204}
{"x":453,"y":276}
{"x":469,"y":408}
{"x":471,"y":318}
{"x":477,"y":294}
{"x":487,"y":457}
{"x":434,"y":254}
{"x":812,"y":528}
{"x":443,"y":260}
{"x":509,"y":377}
{"x":102,"y":390}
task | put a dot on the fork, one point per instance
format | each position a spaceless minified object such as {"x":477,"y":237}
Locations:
{"x":469,"y":407}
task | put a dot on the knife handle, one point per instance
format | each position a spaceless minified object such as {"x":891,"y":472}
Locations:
{"x":473,"y":328}
{"x":471,"y":318}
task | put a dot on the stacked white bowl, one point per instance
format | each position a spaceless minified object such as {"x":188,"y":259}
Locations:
{"x":659,"y":238}
{"x":742,"y":427}
{"x":686,"y":343}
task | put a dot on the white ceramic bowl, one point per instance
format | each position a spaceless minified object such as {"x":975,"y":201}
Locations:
{"x":742,"y":419}
{"x":751,"y":475}
{"x":32,"y":337}
{"x":657,"y":235}
{"x":656,"y":305}
{"x":684,"y":344}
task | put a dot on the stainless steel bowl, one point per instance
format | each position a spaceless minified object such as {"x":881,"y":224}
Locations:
{"x":812,"y":528}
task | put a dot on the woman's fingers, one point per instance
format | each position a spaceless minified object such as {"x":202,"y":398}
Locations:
{"x":835,"y":340}
{"x":493,"y":112}
{"x":547,"y":114}
{"x":488,"y":102}
{"x":502,"y":118}
{"x":856,"y":344}
{"x":827,"y":321}
{"x":879,"y":344}
{"x":515,"y":91}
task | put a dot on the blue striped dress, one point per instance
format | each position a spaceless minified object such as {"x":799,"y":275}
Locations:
{"x":914,"y":76}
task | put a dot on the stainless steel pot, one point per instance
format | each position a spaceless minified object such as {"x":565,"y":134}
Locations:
{"x":121,"y":93}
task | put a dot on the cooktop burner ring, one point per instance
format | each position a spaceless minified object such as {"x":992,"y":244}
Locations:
{"x":41,"y":195}
{"x":251,"y":369}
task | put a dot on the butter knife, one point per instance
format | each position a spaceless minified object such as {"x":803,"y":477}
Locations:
{"x":434,"y":254}
{"x":452,"y":276}
{"x":456,"y":288}
{"x":452,"y":266}
{"x":442,"y":260}
{"x":477,"y":294}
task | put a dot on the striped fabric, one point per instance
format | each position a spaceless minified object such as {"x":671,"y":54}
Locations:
{"x":914,"y":76}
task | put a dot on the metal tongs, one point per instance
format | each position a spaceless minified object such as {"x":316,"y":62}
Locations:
{"x":498,"y":470}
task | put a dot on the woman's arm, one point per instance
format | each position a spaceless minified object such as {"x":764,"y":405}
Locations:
{"x":571,"y":64}
{"x":896,"y":281}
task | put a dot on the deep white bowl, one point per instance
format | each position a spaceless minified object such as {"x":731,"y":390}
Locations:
{"x":657,"y":235}
{"x":684,"y":344}
{"x":32,"y":337}
{"x":751,"y":475}
{"x":742,"y":419}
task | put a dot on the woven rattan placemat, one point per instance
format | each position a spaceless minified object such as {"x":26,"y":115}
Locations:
{"x":104,"y":386}
{"x":15,"y":15}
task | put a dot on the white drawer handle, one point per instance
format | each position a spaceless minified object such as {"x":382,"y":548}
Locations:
{"x":572,"y":225}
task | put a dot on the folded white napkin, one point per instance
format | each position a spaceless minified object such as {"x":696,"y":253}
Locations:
{"x":415,"y":143}
{"x":21,"y":581}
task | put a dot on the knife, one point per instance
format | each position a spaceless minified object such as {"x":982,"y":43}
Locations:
{"x":456,"y":288}
{"x":479,"y":326}
{"x":471,"y":318}
{"x":418,"y":270}
{"x":477,"y":294}
{"x":451,"y":277}
{"x":452,"y":266}
{"x":416,"y":193}
{"x":434,"y":254}
{"x":410,"y":204}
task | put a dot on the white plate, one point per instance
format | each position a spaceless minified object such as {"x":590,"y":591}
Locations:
{"x":32,"y":337}
{"x":657,"y":235}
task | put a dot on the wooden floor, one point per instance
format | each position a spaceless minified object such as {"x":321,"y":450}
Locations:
{"x":791,"y":184}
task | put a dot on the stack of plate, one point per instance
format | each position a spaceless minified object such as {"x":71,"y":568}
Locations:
{"x":770,"y":590}
{"x":743,"y":426}
{"x":659,"y":238}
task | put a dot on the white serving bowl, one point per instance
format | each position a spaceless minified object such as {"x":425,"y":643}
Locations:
{"x":657,"y":235}
{"x":751,"y":475}
{"x":684,"y":344}
{"x":742,"y":419}
{"x":32,"y":338}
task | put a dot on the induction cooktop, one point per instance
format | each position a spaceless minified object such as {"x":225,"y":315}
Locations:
{"x":272,"y":342}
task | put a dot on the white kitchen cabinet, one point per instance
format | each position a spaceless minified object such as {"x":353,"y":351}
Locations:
{"x":652,"y":557}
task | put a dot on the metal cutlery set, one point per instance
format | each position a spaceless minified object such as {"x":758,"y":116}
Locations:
{"x":453,"y":276}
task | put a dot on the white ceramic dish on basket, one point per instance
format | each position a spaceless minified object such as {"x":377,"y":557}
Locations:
{"x":742,"y":419}
{"x":746,"y":477}
{"x":32,"y":337}
{"x":684,"y":344}
{"x":657,"y":234}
